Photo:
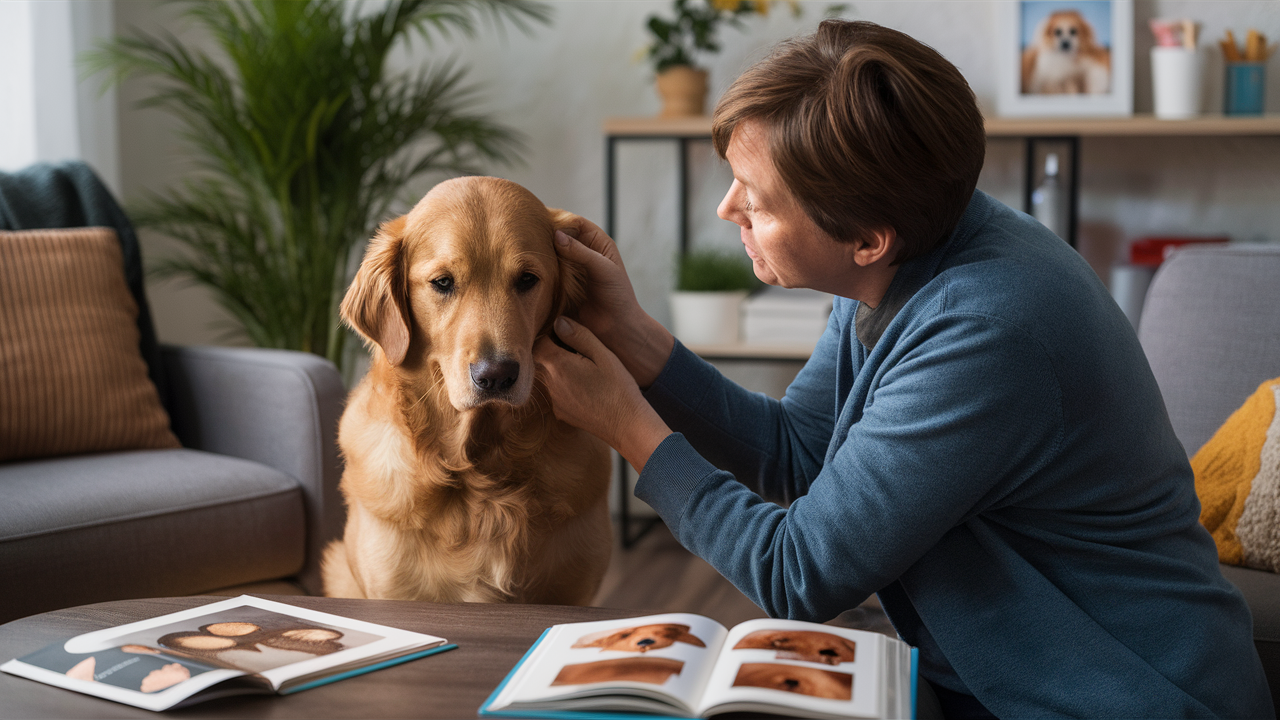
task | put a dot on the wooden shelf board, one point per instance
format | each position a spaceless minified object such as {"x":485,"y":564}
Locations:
{"x":1137,"y":125}
{"x":752,"y":352}
{"x":658,"y":126}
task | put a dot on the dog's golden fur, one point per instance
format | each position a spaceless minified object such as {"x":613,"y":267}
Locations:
{"x":457,"y":492}
{"x":1065,"y":58}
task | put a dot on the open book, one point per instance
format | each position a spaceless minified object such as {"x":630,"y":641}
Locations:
{"x":691,"y":666}
{"x":241,"y":645}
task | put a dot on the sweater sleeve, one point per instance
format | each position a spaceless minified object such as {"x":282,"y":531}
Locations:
{"x":773,"y":447}
{"x":965,"y":409}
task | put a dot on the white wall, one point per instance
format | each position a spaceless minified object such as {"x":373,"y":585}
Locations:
{"x":50,"y":114}
{"x":558,"y":84}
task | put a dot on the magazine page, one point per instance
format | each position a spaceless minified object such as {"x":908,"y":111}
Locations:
{"x":130,"y":673}
{"x":813,"y":670}
{"x":161,"y":661}
{"x":596,"y":665}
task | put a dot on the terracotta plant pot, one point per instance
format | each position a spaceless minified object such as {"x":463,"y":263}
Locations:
{"x":683,"y":91}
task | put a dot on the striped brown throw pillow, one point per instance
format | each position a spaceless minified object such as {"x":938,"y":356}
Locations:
{"x":72,"y":379}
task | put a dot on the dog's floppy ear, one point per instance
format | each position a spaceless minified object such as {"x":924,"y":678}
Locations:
{"x":572,"y":288}
{"x":683,"y":635}
{"x":376,"y":304}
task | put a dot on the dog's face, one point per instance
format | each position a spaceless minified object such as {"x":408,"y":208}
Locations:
{"x":806,"y":645}
{"x":463,"y":285}
{"x":813,"y":682}
{"x":1066,"y":32}
{"x":640,"y":639}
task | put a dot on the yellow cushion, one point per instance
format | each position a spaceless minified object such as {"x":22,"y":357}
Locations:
{"x":72,"y":379}
{"x":1238,"y":481}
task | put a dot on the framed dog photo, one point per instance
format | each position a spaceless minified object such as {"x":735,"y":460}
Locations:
{"x":1065,"y":57}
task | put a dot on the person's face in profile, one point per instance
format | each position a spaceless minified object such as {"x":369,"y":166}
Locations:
{"x":786,"y":247}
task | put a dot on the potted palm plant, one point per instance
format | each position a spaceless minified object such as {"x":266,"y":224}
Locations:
{"x":304,"y":138}
{"x":706,"y":306}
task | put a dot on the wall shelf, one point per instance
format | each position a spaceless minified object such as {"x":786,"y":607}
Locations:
{"x":1033,"y":131}
{"x":1136,"y":125}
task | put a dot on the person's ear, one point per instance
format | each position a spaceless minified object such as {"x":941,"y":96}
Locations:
{"x":876,"y":245}
{"x":376,"y":304}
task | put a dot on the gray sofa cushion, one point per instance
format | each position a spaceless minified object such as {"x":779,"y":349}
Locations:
{"x":1262,"y":590}
{"x":143,"y":523}
{"x":1211,"y":330}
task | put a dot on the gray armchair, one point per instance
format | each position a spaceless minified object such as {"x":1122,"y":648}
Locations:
{"x":251,"y":496}
{"x":1211,"y":330}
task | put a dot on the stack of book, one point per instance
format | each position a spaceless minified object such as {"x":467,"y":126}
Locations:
{"x":784,"y":316}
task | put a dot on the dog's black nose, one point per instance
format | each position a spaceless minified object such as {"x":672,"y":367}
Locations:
{"x":495,"y":375}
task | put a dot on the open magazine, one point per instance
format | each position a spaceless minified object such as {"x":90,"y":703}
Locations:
{"x":691,"y":666}
{"x":241,"y":645}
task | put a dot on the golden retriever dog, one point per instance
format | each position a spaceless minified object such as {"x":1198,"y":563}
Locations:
{"x":1065,"y":58}
{"x":460,"y":484}
{"x":813,"y":682}
{"x":807,"y":645}
{"x":640,"y":639}
{"x":652,"y":670}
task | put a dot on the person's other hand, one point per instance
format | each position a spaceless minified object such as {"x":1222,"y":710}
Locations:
{"x":611,"y":311}
{"x":590,"y":389}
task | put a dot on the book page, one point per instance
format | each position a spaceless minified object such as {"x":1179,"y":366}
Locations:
{"x":212,"y":643}
{"x":133,"y":674}
{"x":670,"y":654}
{"x":816,"y":670}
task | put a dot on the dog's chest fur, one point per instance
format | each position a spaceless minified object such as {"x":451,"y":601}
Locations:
{"x":450,"y":509}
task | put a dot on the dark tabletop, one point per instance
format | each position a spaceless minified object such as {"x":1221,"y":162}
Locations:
{"x":453,"y":684}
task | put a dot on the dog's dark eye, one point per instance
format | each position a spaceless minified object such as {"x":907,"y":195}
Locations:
{"x":443,"y":285}
{"x":526,"y":281}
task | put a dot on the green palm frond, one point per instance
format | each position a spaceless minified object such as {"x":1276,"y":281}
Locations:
{"x":302,"y":141}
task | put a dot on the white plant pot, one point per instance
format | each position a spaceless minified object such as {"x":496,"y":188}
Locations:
{"x":707,"y":318}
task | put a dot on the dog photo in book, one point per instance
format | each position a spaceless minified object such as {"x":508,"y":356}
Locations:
{"x":652,"y":670}
{"x":819,"y":647}
{"x":814,"y":682}
{"x":640,"y":639}
{"x":248,"y":638}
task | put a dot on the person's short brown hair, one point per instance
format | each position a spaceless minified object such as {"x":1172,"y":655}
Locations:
{"x":869,"y":128}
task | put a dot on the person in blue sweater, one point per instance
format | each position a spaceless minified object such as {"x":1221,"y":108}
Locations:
{"x":977,"y":437}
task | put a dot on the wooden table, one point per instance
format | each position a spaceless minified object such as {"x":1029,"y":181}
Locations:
{"x":490,"y":638}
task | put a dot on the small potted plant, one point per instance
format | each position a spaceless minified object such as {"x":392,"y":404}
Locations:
{"x":707,"y":303}
{"x":681,"y":84}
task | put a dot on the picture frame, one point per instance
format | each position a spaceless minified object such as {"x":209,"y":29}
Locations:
{"x":1065,"y":58}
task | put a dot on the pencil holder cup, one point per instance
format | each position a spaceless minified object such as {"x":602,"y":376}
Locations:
{"x":1243,"y":92}
{"x":1175,"y":80}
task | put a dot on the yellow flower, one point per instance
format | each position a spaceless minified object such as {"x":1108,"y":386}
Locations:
{"x":726,"y":5}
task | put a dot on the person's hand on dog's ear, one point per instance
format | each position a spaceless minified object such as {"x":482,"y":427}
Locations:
{"x":611,"y":310}
{"x":591,"y":389}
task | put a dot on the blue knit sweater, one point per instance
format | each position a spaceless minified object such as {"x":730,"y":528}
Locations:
{"x":998,"y":467}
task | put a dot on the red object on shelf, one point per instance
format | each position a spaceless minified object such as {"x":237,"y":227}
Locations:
{"x":1152,"y":251}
